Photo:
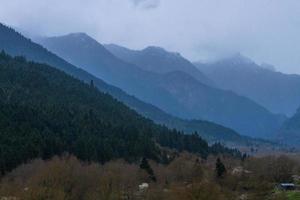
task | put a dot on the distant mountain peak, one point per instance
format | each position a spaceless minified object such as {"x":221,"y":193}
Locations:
{"x":78,"y":39}
{"x":154,"y":48}
{"x":78,"y":34}
{"x":268,"y":67}
{"x":114,"y":45}
{"x":238,"y":59}
{"x":159,"y":50}
{"x":158,"y":60}
{"x":236,"y":62}
{"x":81,"y":36}
{"x":75,"y":35}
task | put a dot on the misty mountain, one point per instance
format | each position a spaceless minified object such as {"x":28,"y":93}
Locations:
{"x":83,"y":51}
{"x":158,"y":60}
{"x":176,"y":92}
{"x":290,"y":131}
{"x":223,"y":107}
{"x":15,"y":44}
{"x":278,"y":92}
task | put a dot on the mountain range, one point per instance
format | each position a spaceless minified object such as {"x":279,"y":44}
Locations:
{"x":158,"y":60}
{"x":290,"y":129}
{"x":172,"y":81}
{"x":276,"y":91}
{"x":17,"y":45}
{"x":176,"y":92}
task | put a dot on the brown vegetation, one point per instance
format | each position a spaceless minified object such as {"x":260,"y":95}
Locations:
{"x":187,"y":177}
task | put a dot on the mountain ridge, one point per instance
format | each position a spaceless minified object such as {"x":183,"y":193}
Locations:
{"x":14,"y":43}
{"x":290,"y":129}
{"x":276,"y":91}
{"x":199,"y":102}
{"x":158,"y":60}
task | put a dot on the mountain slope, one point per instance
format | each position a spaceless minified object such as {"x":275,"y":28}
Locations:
{"x":176,"y":92}
{"x":45,"y":112}
{"x":223,"y":107}
{"x":276,"y":91}
{"x":290,"y":131}
{"x":16,"y":44}
{"x":85,"y":52}
{"x":158,"y":60}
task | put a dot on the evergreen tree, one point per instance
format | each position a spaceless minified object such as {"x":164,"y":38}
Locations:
{"x":146,"y":166}
{"x":244,"y":157}
{"x":220,"y":168}
{"x":92,"y":84}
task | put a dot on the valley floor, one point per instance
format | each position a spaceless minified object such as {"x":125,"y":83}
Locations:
{"x":187,"y":177}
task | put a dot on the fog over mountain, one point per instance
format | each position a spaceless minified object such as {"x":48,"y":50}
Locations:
{"x":176,"y":92}
{"x":16,"y":44}
{"x":265,"y":30}
{"x":274,"y":90}
{"x":291,"y":129}
{"x":149,"y":99}
{"x":158,"y":60}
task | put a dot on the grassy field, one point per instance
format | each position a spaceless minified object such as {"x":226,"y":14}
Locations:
{"x":294,"y":195}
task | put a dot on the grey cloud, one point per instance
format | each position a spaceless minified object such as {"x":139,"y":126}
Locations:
{"x":146,"y":4}
{"x":265,"y":30}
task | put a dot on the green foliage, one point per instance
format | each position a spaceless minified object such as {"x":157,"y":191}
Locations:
{"x":217,"y":148}
{"x":220,"y":168}
{"x":44,"y":112}
{"x":146,"y":166}
{"x":293,"y":195}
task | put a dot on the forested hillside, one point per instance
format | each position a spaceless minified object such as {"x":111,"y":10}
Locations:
{"x":45,"y":112}
{"x":15,"y":44}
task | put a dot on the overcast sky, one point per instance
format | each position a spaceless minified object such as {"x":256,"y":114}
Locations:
{"x":264,"y":30}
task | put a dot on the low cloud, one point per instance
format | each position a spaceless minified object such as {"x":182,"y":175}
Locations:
{"x":265,"y":30}
{"x":146,"y":4}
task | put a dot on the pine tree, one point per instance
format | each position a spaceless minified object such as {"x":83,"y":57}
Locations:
{"x":92,"y":84}
{"x":244,"y":157}
{"x":220,"y":168}
{"x":146,"y":166}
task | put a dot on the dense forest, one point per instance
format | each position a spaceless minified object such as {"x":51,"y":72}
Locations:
{"x":45,"y":112}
